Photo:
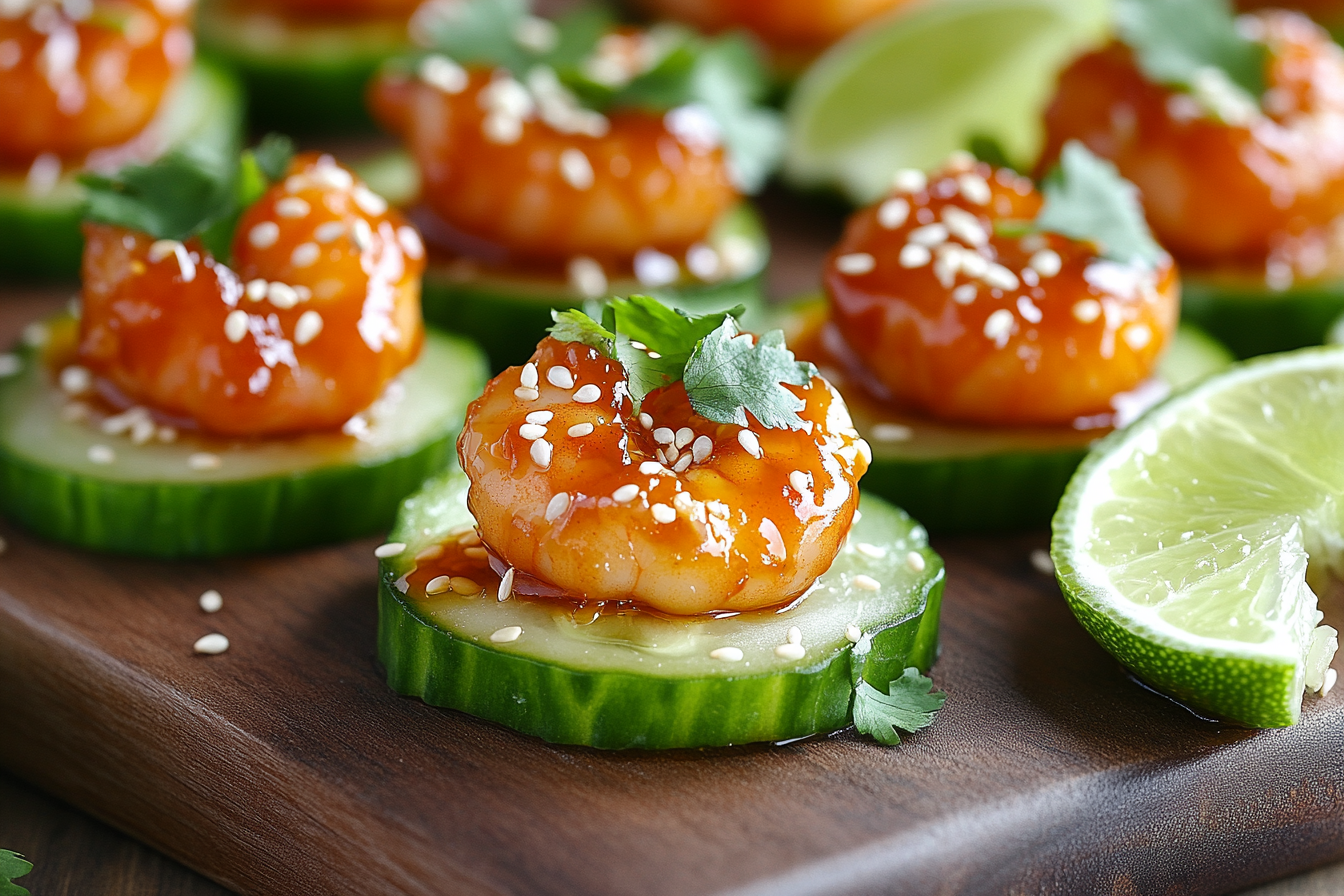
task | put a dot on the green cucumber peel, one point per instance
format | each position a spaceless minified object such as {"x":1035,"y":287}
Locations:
{"x":12,"y":865}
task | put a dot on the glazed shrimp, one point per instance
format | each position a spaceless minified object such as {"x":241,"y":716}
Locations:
{"x":520,"y":167}
{"x":956,"y":320}
{"x":666,"y":508}
{"x":71,"y":85}
{"x":322,"y":310}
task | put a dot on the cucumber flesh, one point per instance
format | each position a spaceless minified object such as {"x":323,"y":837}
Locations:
{"x":39,"y":234}
{"x":1251,"y":319}
{"x":637,"y":679}
{"x":508,"y":315}
{"x":159,"y":499}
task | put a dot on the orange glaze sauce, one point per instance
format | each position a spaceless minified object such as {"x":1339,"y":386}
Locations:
{"x":962,"y":323}
{"x":1261,"y":194}
{"x":69,"y":86}
{"x":333,"y":9}
{"x":803,"y":27}
{"x":320,"y":311}
{"x":667,"y":509}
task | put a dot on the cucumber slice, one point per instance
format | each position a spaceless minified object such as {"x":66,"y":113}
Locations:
{"x":266,"y":495}
{"x":301,"y":77}
{"x":39,"y":234}
{"x":638,"y":679}
{"x":508,"y":314}
{"x":1251,"y":319}
{"x":958,"y":478}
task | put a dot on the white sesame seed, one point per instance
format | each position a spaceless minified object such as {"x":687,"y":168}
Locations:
{"x":526,"y":394}
{"x":579,"y":430}
{"x":469,"y":537}
{"x":576,"y":169}
{"x":661,"y":453}
{"x":211,"y":601}
{"x":587,"y":394}
{"x":974,"y":188}
{"x":502,"y":129}
{"x":167,"y":434}
{"x":507,"y":634}
{"x":541,"y":418}
{"x":556,"y":506}
{"x":307,"y":328}
{"x":368,"y":201}
{"x":255,"y":290}
{"x":682,"y":464}
{"x":964,"y":294}
{"x":101,"y":454}
{"x":587,"y":277}
{"x":726,"y":654}
{"x":264,"y":234}
{"x":560,"y":376}
{"x":505,"y":585}
{"x":866,"y":450}
{"x":476,"y":553}
{"x":1027,"y":308}
{"x":532,"y":431}
{"x":305,"y":255}
{"x":913,"y":256}
{"x":965,"y":226}
{"x":10,"y":364}
{"x":646,"y":421}
{"x":528,"y":376}
{"x":161,"y":249}
{"x":361,"y":234}
{"x":212,"y":644}
{"x":1046,"y":262}
{"x":536,"y":34}
{"x":464,"y":585}
{"x":670,"y":455}
{"x":442,"y":73}
{"x":893,"y":213}
{"x":35,"y":334}
{"x":326,"y":173}
{"x":999,"y":326}
{"x":654,"y":268}
{"x":664,"y":435}
{"x":654,"y":355}
{"x":855,"y":263}
{"x":438,"y":584}
{"x":626,"y":492}
{"x":1137,"y":336}
{"x":391,"y":549}
{"x":948,"y":263}
{"x":909,"y":180}
{"x":410,"y":241}
{"x":663,"y":513}
{"x":1085,"y":311}
{"x":235,"y":326}
{"x":204,"y":460}
{"x":292,"y":207}
{"x":75,"y":380}
{"x":929,"y":235}
{"x":790,"y":651}
{"x":684,"y":437}
{"x":915,"y":560}
{"x":750,"y":444}
{"x":701,"y":448}
{"x":853,"y":634}
{"x":867,"y":583}
{"x":870,"y":550}
{"x":800,"y":481}
{"x":651,"y":468}
{"x":1041,"y":562}
{"x":704,"y":262}
{"x":1000,"y":277}
{"x":1328,"y":684}
{"x":541,"y":453}
{"x":795,"y":635}
{"x":282,"y":295}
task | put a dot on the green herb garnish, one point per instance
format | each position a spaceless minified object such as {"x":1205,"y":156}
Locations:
{"x":1180,"y":42}
{"x":1087,"y":199}
{"x":12,"y":865}
{"x":908,"y":706}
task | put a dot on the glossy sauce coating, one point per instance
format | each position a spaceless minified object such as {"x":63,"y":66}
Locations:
{"x":722,"y":521}
{"x":801,"y":25}
{"x":494,"y":169}
{"x":959,"y":322}
{"x":1261,"y":192}
{"x":69,"y":86}
{"x":321,"y":311}
{"x":333,"y":9}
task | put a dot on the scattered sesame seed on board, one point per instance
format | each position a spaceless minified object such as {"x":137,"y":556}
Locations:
{"x":211,"y":601}
{"x":1041,"y":562}
{"x":211,"y":644}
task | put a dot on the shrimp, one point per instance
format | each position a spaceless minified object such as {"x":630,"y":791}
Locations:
{"x":1254,"y":187}
{"x":71,"y":85}
{"x":800,"y":26}
{"x":320,"y":312}
{"x":524,"y":168}
{"x":665,"y":508}
{"x":958,"y":321}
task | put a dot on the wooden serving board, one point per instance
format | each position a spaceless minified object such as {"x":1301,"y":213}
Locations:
{"x":286,"y":766}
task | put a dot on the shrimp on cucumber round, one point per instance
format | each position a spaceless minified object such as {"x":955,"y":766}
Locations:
{"x":580,"y":494}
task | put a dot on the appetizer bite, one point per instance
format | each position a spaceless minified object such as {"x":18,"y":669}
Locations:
{"x":93,"y":86}
{"x":1233,"y":130}
{"x":658,"y":541}
{"x":986,"y":332}
{"x":562,"y":161}
{"x":246,"y":368}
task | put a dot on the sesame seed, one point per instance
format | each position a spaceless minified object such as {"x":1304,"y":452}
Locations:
{"x":576,"y":169}
{"x":540,"y":418}
{"x":161,"y":249}
{"x":326,"y":173}
{"x":1137,"y":336}
{"x":559,"y":376}
{"x":75,"y":380}
{"x":866,"y":450}
{"x":235,"y":326}
{"x":292,"y":207}
{"x":893,"y":213}
{"x":1331,"y":676}
{"x":528,"y":375}
{"x":626,"y":492}
{"x":651,"y":468}
{"x":855,"y":263}
{"x":947,"y":264}
{"x":669,"y":454}
{"x":212,"y":644}
{"x":701,"y":448}
{"x":654,"y":268}
{"x":541,"y":453}
{"x":853,"y":634}
{"x":464,"y":585}
{"x":361,"y":234}
{"x":960,"y":160}
{"x":391,"y":549}
{"x":536,"y":34}
{"x":10,"y":364}
{"x":909,"y":180}
{"x":438,"y":584}
{"x":502,"y":129}
{"x":579,"y":430}
{"x":750,"y":444}
{"x":682,"y":464}
{"x":282,"y":295}
{"x":1046,"y":262}
{"x":410,"y":241}
{"x":790,"y":651}
{"x":211,"y":601}
{"x":664,"y":436}
{"x":587,"y":277}
{"x":867,"y":583}
{"x":532,"y":431}
{"x":368,"y":201}
{"x":964,"y":294}
{"x":704,"y":262}
{"x":974,"y":188}
{"x":999,"y":326}
{"x":965,"y":226}
{"x":264,"y":235}
{"x":683,"y":502}
{"x":526,"y":394}
{"x":36,"y":334}
{"x":255,"y":290}
{"x":726,"y":654}
{"x":663,"y":513}
{"x":203,"y":460}
{"x":505,"y":585}
{"x":915,"y":560}
{"x":661,"y":454}
{"x":442,"y":73}
{"x":101,"y":454}
{"x":1085,"y":311}
{"x":1041,"y":562}
{"x":1000,"y":277}
{"x":587,"y":394}
{"x":305,"y":255}
{"x":469,"y":537}
{"x":557,"y":505}
{"x":308,"y":327}
{"x":476,"y":553}
{"x":654,"y":355}
{"x":646,"y":421}
{"x":800,"y":481}
{"x":795,"y":635}
{"x":507,"y":634}
{"x":684,"y":437}
{"x":929,"y":235}
{"x":913,"y":256}
{"x":870,"y":550}
{"x":1030,"y":313}
{"x":142,"y":431}
{"x":167,"y":434}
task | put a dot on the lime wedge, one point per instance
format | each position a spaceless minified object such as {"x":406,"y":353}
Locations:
{"x":911,"y":88}
{"x":1182,"y":543}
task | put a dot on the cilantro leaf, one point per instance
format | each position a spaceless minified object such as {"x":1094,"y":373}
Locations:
{"x":273,"y":155}
{"x":1177,"y":40}
{"x":1087,"y":199}
{"x":728,"y":376}
{"x":574,"y":326}
{"x":908,"y":706}
{"x":12,"y":865}
{"x":481,"y":32}
{"x":730,"y":82}
{"x":668,"y":333}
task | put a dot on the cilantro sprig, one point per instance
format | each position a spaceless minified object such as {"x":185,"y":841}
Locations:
{"x":727,"y":374}
{"x":909,"y":705}
{"x":186,"y":193}
{"x":722,"y":76}
{"x":1180,"y":43}
{"x":1087,"y":199}
{"x":12,"y":865}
